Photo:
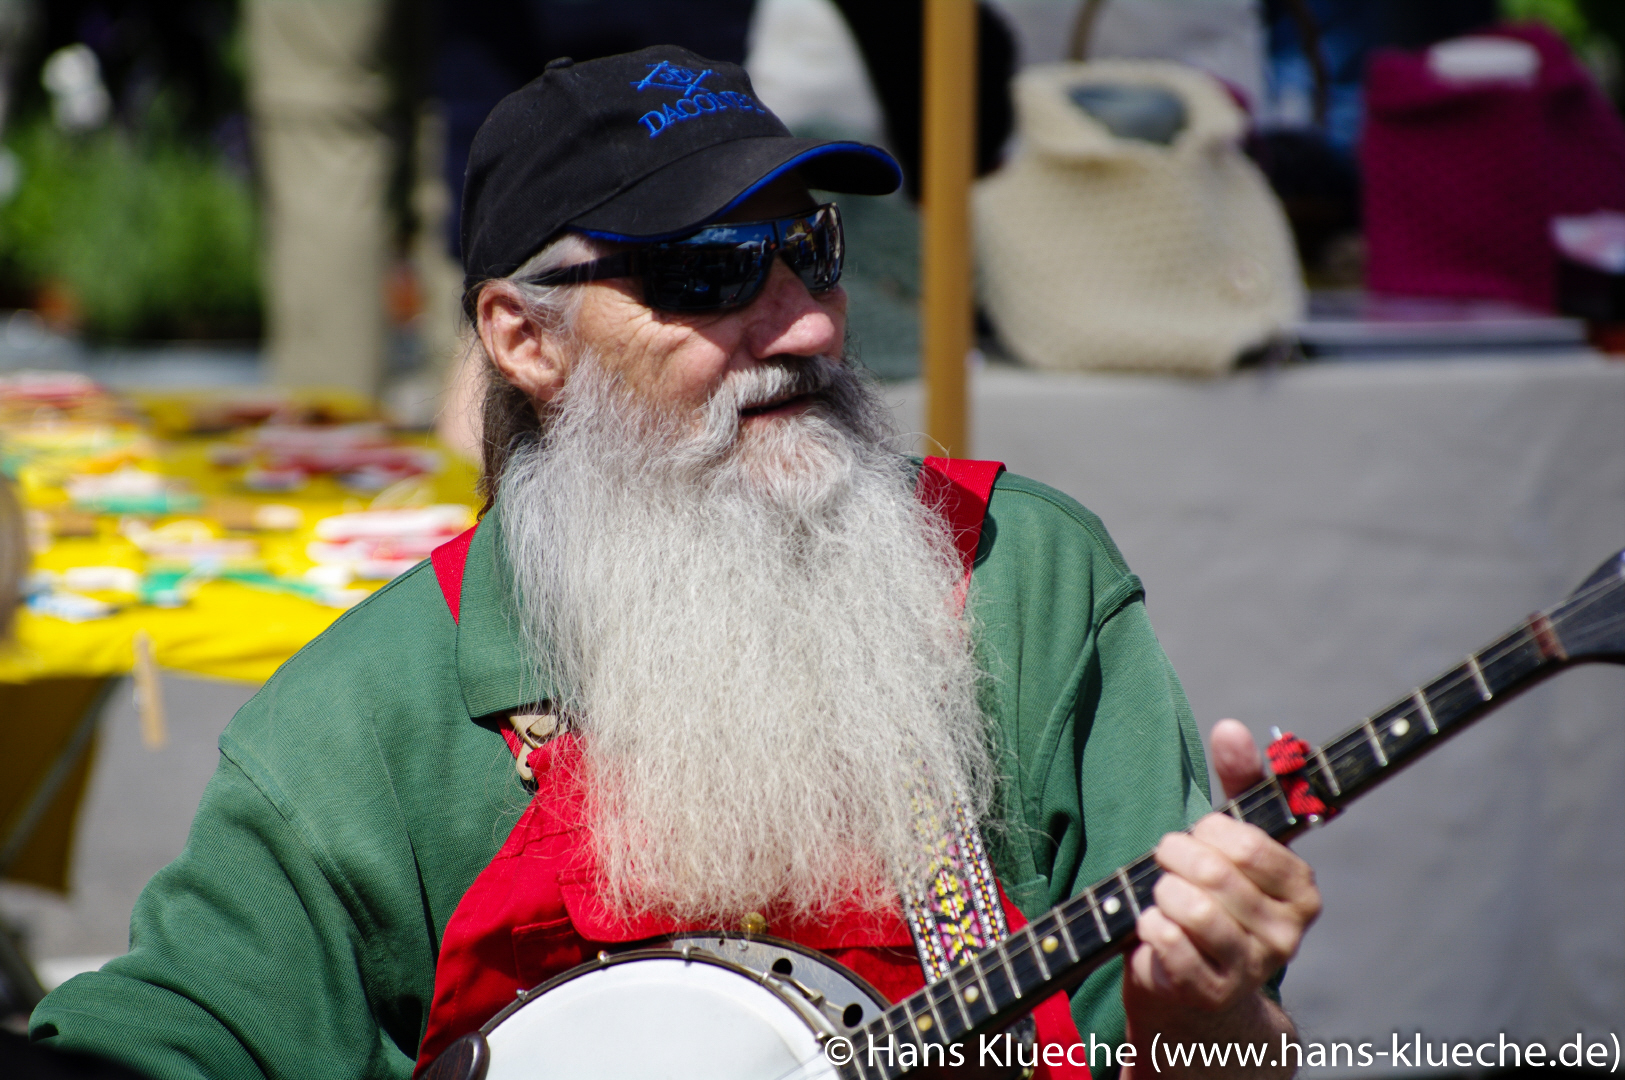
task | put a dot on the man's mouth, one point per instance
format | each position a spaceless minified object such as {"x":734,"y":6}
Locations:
{"x":784,"y":403}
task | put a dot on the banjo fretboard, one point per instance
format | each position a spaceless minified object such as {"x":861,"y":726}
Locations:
{"x":1060,"y":948}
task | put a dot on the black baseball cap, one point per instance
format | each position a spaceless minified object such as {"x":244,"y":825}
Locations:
{"x":647,"y":145}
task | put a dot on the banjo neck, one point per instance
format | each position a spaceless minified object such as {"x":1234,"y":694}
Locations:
{"x":1057,"y":950}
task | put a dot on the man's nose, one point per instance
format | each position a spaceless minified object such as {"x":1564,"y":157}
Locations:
{"x":788,"y":320}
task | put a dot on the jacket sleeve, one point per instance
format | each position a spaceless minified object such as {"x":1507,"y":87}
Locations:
{"x":243,"y":962}
{"x":1141,"y":773}
{"x":1101,"y":748}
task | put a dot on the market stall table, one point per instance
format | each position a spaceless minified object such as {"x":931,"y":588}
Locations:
{"x":208,"y":576}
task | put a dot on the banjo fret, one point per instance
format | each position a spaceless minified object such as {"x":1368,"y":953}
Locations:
{"x":970,"y":990}
{"x":941,"y":993}
{"x":1003,"y":949}
{"x":1037,"y":950}
{"x":901,"y":1028}
{"x":886,"y":1062}
{"x":1025,"y":964}
{"x":1063,"y":928}
{"x":937,"y":1028}
{"x":1094,"y":909}
{"x":1000,"y":994}
{"x":986,"y":1000}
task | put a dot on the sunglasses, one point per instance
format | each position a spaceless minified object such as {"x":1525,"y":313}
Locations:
{"x":722,"y":266}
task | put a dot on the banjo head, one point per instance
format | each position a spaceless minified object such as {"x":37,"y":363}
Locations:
{"x":656,"y":1016}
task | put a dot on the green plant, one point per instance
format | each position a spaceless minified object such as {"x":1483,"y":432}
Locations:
{"x":149,"y":237}
{"x":1567,"y":17}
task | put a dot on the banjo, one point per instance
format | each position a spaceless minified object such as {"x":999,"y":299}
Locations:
{"x":738,"y":1005}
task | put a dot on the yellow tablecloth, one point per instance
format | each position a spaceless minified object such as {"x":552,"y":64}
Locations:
{"x":54,"y":670}
{"x":227,"y":630}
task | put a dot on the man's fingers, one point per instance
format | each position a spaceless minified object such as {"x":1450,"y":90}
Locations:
{"x":1224,"y":914}
{"x":1266,"y":863}
{"x":1232,"y":904}
{"x":1169,"y":964}
{"x":1235,"y":757}
{"x":1267,"y":891}
{"x":1206,"y":920}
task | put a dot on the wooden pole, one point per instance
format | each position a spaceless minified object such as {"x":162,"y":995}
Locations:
{"x":948,"y":160}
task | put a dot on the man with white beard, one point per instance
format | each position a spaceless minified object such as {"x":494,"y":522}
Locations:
{"x":728,"y":647}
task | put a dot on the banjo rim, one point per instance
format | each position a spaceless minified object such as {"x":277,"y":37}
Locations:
{"x":688,"y":954}
{"x":788,"y":946}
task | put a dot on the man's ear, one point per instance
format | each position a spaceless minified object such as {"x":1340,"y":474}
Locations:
{"x":525,"y":354}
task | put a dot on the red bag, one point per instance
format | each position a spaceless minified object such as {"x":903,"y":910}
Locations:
{"x":1462,"y":179}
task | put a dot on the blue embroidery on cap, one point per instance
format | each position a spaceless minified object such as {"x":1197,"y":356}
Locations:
{"x":668,"y":76}
{"x":692,"y":99}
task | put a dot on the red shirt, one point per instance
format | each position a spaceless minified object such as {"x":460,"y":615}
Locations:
{"x":536,"y":911}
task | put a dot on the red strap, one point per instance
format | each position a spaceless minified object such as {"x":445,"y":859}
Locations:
{"x":449,"y":559}
{"x":960,"y":489}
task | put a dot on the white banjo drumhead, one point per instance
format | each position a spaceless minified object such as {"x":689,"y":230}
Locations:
{"x":656,"y":1019}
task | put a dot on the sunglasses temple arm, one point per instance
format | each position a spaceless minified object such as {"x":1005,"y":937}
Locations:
{"x":610,"y":266}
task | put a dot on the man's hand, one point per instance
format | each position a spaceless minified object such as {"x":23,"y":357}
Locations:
{"x":1232,"y":907}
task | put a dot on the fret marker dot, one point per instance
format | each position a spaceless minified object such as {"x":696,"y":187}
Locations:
{"x":923,"y":1023}
{"x":1401,"y":726}
{"x":1050,"y":944}
{"x":1112,"y":905}
{"x":971,"y":994}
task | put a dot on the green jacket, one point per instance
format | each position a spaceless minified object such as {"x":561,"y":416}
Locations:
{"x":360,"y":792}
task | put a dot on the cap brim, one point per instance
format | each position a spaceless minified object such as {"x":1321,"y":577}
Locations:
{"x":687,"y":193}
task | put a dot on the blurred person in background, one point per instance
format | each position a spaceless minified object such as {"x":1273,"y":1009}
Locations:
{"x":321,"y":94}
{"x":357,"y":103}
{"x":484,"y":50}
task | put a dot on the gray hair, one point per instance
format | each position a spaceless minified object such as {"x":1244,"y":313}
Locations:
{"x":508,"y":418}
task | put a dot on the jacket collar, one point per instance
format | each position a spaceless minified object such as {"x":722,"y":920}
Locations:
{"x":492,"y":663}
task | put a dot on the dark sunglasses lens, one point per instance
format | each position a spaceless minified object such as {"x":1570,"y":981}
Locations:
{"x":814,"y":247}
{"x":725,"y":266}
{"x":705,"y":277}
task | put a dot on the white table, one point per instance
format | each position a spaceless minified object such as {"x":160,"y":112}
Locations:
{"x":1317,"y":540}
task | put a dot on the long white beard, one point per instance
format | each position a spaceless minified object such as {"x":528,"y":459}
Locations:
{"x":754,"y":630}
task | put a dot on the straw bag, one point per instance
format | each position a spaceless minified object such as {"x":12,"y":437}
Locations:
{"x":1115,"y":251}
